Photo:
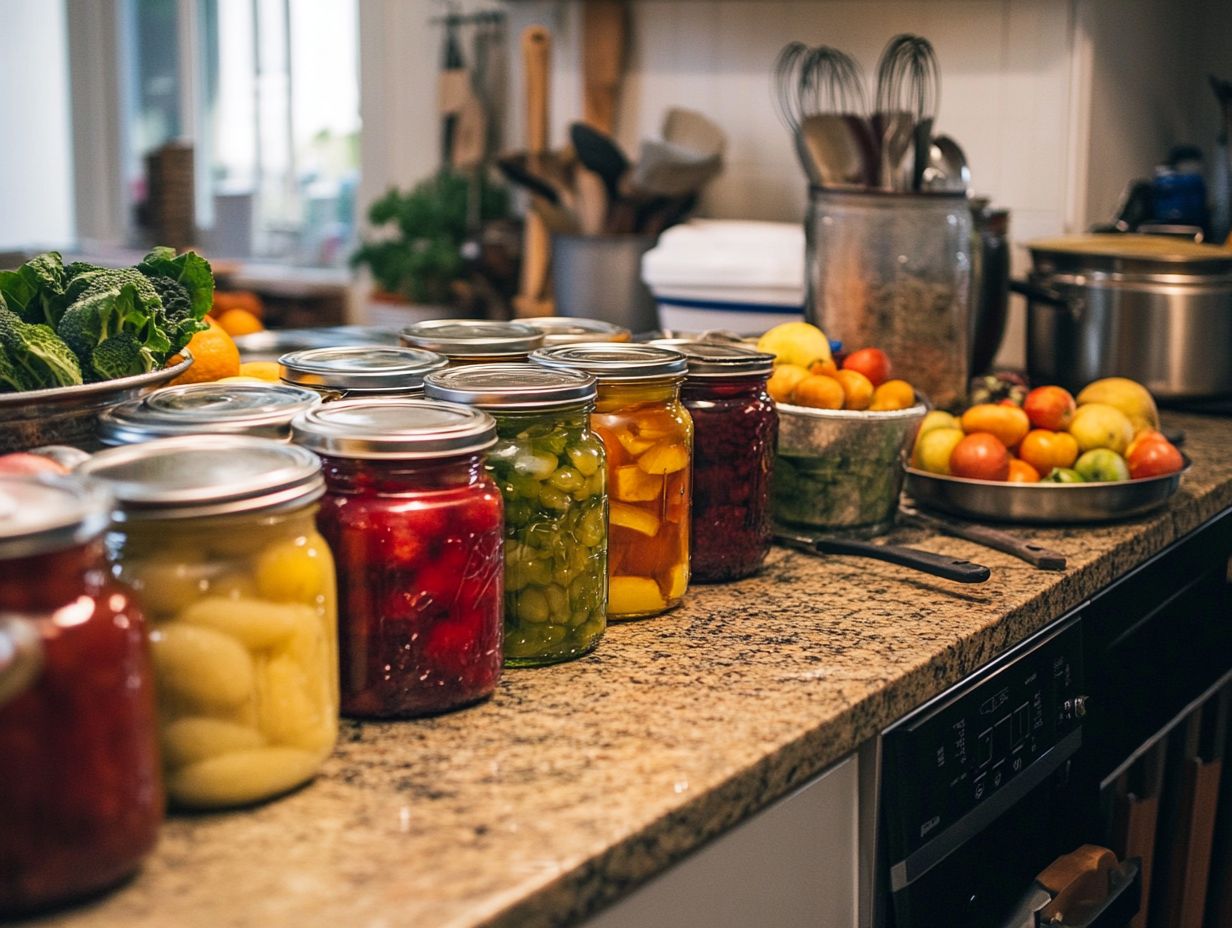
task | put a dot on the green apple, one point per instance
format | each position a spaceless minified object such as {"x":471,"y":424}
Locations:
{"x":937,"y":419}
{"x":933,"y":448}
{"x":1102,"y":465}
{"x":1063,"y":475}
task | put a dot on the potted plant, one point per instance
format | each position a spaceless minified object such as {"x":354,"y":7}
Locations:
{"x":417,"y":255}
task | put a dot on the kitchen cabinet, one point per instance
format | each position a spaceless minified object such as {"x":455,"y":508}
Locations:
{"x":792,"y":865}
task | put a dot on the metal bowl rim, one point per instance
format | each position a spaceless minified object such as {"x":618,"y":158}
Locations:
{"x":103,"y":387}
{"x":1041,"y":485}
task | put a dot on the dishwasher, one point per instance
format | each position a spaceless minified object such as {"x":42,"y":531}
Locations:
{"x":1074,"y":781}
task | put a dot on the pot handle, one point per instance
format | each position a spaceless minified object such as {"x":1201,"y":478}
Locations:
{"x":21,"y":655}
{"x":1039,"y":294}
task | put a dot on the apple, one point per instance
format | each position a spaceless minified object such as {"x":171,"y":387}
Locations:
{"x":933,"y":449}
{"x":1049,"y":407}
{"x":1101,"y":465}
{"x":1063,"y":475}
{"x":1096,"y":425}
{"x":1153,"y":458}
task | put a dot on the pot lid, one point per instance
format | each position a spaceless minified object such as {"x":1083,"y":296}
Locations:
{"x":206,"y":475}
{"x":566,"y":330}
{"x":394,"y":429}
{"x":1125,"y":252}
{"x":718,"y":359}
{"x":614,"y":363}
{"x":472,"y":337}
{"x":235,"y":408}
{"x":47,"y":512}
{"x":511,"y":386}
{"x":375,"y":368}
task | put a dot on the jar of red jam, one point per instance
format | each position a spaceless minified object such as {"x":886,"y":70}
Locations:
{"x":735,"y":428}
{"x":473,"y":341}
{"x":648,"y":437}
{"x":552,"y":473}
{"x":415,"y":523}
{"x":81,"y":797}
{"x":359,"y":371}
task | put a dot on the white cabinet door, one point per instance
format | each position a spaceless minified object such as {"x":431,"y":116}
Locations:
{"x":792,"y":865}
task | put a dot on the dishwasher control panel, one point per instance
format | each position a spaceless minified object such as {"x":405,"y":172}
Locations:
{"x":960,"y":751}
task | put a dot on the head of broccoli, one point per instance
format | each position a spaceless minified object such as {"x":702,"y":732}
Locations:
{"x":121,"y":355}
{"x":107,"y":308}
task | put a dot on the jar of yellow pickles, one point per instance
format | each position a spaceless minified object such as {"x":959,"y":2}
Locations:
{"x":648,"y":436}
{"x":216,"y":534}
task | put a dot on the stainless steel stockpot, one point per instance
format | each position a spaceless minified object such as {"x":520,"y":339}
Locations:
{"x":1154,"y":309}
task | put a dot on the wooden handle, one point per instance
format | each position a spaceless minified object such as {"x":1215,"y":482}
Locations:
{"x":603,"y":60}
{"x":536,"y":51}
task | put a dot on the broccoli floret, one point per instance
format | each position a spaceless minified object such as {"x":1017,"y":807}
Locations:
{"x":122,"y":355}
{"x":179,"y":318}
{"x":101,"y":312}
{"x":39,"y":358}
{"x":102,"y":279}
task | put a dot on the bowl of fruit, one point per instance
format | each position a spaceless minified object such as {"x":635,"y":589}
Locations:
{"x":1046,"y":456}
{"x":844,"y":427}
{"x":78,"y":339}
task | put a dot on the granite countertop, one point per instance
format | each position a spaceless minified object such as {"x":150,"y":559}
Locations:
{"x":575,"y":783}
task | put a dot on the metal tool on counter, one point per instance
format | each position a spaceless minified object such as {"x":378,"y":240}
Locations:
{"x":1029,"y":551}
{"x":939,"y":565}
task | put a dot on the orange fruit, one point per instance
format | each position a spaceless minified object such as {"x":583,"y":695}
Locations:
{"x":784,"y":380}
{"x":1022,"y":472}
{"x":1044,"y":450}
{"x":857,"y":389}
{"x":239,"y":322}
{"x":261,"y":370}
{"x":893,"y":394}
{"x":1008,"y":423}
{"x":819,"y":392}
{"x":823,"y":367}
{"x":214,"y":357}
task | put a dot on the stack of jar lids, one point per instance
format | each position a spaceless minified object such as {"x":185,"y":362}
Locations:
{"x":262,"y":410}
{"x":360,"y":369}
{"x":394,"y":429}
{"x":511,"y":387}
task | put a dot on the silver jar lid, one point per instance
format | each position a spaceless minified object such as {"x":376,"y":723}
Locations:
{"x":49,"y":512}
{"x":720,"y":359}
{"x":511,"y":386}
{"x":472,"y":338}
{"x":394,"y":429}
{"x":206,"y":475}
{"x":360,"y":368}
{"x":263,"y":410}
{"x":615,"y":363}
{"x":565,"y":330}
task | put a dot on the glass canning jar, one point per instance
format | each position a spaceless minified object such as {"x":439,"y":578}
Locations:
{"x":566,"y":330}
{"x":473,"y":341}
{"x":260,"y":410}
{"x":216,"y":534}
{"x":552,"y":474}
{"x":81,"y":798}
{"x":359,"y":371}
{"x":648,"y":436}
{"x":416,"y":525}
{"x":735,"y":429}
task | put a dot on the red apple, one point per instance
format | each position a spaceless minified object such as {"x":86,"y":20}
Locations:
{"x":1049,"y":408}
{"x":1152,"y":458}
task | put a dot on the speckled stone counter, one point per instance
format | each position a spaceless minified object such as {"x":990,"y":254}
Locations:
{"x":576,"y":783}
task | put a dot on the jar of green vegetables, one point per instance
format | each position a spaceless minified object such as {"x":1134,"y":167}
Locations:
{"x":551,"y":470}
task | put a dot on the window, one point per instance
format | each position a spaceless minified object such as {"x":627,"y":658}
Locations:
{"x":268,"y":92}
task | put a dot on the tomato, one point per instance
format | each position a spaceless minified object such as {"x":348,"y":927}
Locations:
{"x":1152,"y":458}
{"x":1045,"y":450}
{"x":1049,"y":407}
{"x":871,"y":362}
{"x":1022,"y":472}
{"x":1141,"y":437}
{"x":980,"y":456}
{"x":1008,"y":423}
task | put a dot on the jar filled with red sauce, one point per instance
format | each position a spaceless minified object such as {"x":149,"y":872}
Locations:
{"x":735,"y":430}
{"x":81,"y":796}
{"x":416,"y":527}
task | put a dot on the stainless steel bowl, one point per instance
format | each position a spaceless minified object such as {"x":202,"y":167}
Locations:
{"x":1047,"y":503}
{"x":69,"y":415}
{"x":840,"y":468}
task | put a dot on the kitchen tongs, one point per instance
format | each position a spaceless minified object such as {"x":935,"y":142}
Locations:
{"x":950,"y":568}
{"x":1029,"y":551}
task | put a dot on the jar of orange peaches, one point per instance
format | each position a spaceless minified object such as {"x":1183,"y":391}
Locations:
{"x":648,"y":436}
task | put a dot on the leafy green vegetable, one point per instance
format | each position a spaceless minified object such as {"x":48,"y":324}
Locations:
{"x":106,"y":309}
{"x":121,"y":355}
{"x":36,"y":357}
{"x":35,"y":291}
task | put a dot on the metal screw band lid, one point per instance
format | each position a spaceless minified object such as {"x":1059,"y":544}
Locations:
{"x":50,"y":512}
{"x":472,"y":337}
{"x":511,"y":386}
{"x":394,"y":429}
{"x":206,"y":475}
{"x":358,"y":368}
{"x":566,"y":330}
{"x":263,"y":410}
{"x":720,"y":359}
{"x":615,"y":363}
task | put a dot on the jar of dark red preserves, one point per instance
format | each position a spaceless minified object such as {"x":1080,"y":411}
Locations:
{"x":735,"y":428}
{"x":416,"y":526}
{"x":81,"y":796}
